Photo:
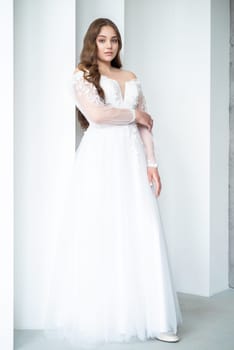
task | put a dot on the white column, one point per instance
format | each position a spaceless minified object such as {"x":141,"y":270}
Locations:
{"x":189,"y":166}
{"x":44,"y":143}
{"x":6,"y":175}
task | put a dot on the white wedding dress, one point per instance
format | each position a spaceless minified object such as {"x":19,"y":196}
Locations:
{"x":111,"y":280}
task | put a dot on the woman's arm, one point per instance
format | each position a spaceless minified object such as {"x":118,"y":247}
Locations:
{"x":147,"y":139}
{"x":146,"y":134}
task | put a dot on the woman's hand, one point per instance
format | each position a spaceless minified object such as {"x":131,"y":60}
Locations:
{"x":153,"y":177}
{"x":144,"y":118}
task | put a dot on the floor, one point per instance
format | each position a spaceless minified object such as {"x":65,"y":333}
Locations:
{"x":208,"y":324}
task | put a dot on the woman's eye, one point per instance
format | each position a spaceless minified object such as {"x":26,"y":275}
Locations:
{"x":102,"y":41}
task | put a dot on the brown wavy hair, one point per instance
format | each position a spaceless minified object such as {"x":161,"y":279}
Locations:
{"x":88,"y":59}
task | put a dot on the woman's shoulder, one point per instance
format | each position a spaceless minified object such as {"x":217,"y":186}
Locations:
{"x":124,"y":74}
{"x":80,"y":70}
{"x":128,"y":75}
{"x":77,"y":70}
{"x":77,"y":74}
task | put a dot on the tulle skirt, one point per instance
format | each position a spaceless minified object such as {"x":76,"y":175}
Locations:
{"x":111,"y":279}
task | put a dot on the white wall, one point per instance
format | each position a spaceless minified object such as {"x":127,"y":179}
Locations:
{"x":6,"y":175}
{"x":174,"y":45}
{"x":44,"y":142}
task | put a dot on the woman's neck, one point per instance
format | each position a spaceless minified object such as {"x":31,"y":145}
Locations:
{"x":105,"y":68}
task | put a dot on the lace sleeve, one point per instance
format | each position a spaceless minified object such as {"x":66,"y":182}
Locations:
{"x":146,"y":135}
{"x":93,"y":107}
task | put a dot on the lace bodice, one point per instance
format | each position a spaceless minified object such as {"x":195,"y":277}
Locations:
{"x":117,"y":108}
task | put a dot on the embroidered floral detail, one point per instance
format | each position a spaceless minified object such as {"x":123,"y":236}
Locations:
{"x":141,"y":99}
{"x":135,"y":138}
{"x":82,"y":86}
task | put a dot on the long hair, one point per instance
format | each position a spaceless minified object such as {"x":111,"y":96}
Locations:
{"x":88,"y":59}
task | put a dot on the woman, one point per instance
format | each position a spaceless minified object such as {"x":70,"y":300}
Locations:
{"x":112,"y":279}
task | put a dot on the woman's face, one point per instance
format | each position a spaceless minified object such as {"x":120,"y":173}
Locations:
{"x":107,"y":44}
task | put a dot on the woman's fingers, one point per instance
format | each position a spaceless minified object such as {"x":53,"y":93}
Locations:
{"x":158,"y":185}
{"x":144,"y":118}
{"x":154,"y":179}
{"x":150,"y":125}
{"x":149,"y":122}
{"x":150,"y":178}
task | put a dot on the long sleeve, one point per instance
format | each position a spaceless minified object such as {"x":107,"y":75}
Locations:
{"x":146,"y":135}
{"x":93,"y":107}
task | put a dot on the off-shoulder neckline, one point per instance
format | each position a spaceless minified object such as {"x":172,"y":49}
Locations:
{"x":122,"y":93}
{"x":105,"y":76}
{"x":126,"y":81}
{"x":116,"y":82}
